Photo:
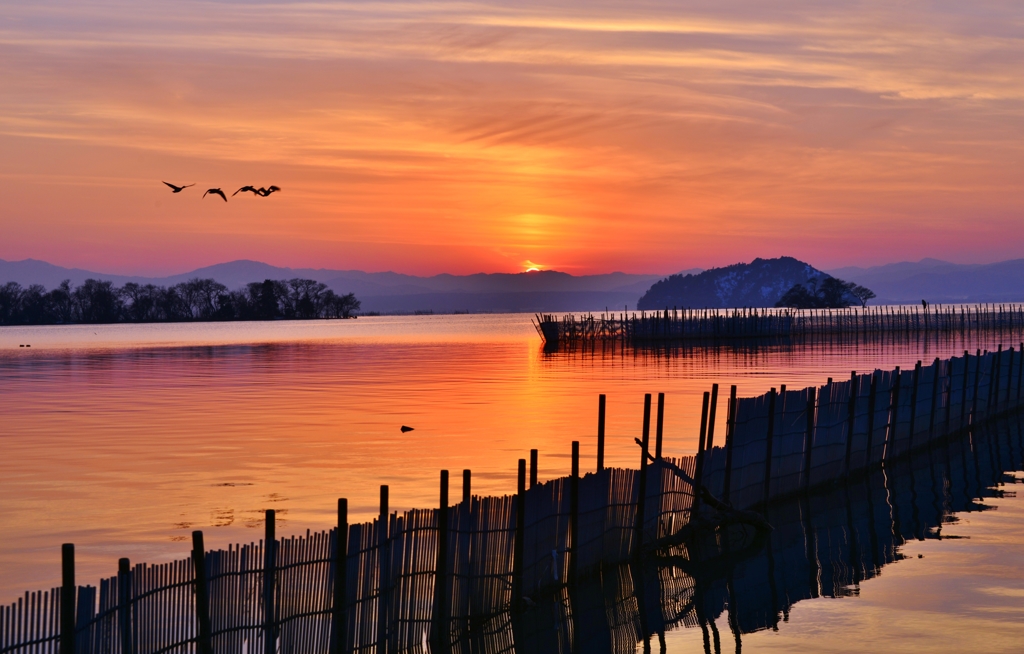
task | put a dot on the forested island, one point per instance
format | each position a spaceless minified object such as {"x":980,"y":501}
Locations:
{"x":97,"y":301}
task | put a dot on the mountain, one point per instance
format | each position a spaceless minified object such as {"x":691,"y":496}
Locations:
{"x":760,"y":283}
{"x":391,"y":292}
{"x":940,"y":281}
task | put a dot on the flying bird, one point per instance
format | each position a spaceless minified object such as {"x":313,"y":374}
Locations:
{"x":267,"y":191}
{"x":216,"y":191}
{"x":178,"y":189}
{"x":405,"y":429}
{"x":246,"y":188}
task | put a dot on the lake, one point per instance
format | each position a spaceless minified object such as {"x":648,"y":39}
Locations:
{"x":125,"y":438}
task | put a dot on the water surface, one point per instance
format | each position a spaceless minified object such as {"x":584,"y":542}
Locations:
{"x":124,"y":438}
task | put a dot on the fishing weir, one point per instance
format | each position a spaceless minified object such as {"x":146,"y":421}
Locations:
{"x":595,"y":562}
{"x":677,"y":325}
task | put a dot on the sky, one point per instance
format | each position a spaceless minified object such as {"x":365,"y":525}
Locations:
{"x":462,"y":137}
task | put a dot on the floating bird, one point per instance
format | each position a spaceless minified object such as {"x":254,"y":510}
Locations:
{"x":267,"y":191}
{"x":246,"y":188}
{"x":405,"y":429}
{"x":178,"y":189}
{"x":216,"y":191}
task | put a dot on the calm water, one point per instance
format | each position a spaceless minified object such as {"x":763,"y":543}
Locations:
{"x":124,"y":438}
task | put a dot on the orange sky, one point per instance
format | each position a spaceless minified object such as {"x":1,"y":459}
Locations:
{"x":464,"y":137}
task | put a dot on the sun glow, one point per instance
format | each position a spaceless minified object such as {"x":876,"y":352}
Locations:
{"x":532,"y":267}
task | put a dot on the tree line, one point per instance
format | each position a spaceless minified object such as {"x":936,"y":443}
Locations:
{"x":98,"y":301}
{"x":832,"y":293}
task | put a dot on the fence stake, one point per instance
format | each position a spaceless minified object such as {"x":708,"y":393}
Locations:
{"x":913,"y":405}
{"x":768,"y":454}
{"x":269,"y":576}
{"x":977,"y":379}
{"x":124,"y":606}
{"x":533,"y":468}
{"x":894,"y":406}
{"x":992,"y":405}
{"x":935,"y":398}
{"x":808,"y":437}
{"x":467,"y":488}
{"x":660,"y":426}
{"x":204,"y":642}
{"x":872,"y":393}
{"x":338,"y":633}
{"x":1009,"y":375}
{"x":730,"y":427}
{"x":600,"y":432}
{"x":441,"y":637}
{"x":67,"y":599}
{"x":963,"y":398}
{"x":1020,"y":372}
{"x":517,"y":554}
{"x":574,"y":513}
{"x":851,"y":419}
{"x":641,"y":491}
{"x":698,"y":473}
{"x":383,"y":570}
{"x":712,"y":413}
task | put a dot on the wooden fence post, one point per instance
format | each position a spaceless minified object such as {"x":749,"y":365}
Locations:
{"x":660,"y":426}
{"x":204,"y":639}
{"x":533,"y":468}
{"x":124,"y":605}
{"x":269,"y":576}
{"x":339,"y":635}
{"x":851,"y":420}
{"x":977,"y":380}
{"x":441,"y":637}
{"x":1020,"y":372}
{"x":963,"y":398}
{"x":698,"y":467}
{"x":712,"y":413}
{"x":994,"y":386}
{"x":574,"y":514}
{"x":68,"y":589}
{"x":1009,"y":375}
{"x":872,"y":394}
{"x":894,"y":405}
{"x":600,"y":432}
{"x":467,"y":488}
{"x":641,"y":492}
{"x":913,"y":405}
{"x":768,"y":446}
{"x":383,"y":570}
{"x":520,"y":542}
{"x":809,"y":437}
{"x":730,"y":429}
{"x":935,"y":397}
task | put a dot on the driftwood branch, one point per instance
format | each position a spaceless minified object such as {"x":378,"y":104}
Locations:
{"x":727,"y":514}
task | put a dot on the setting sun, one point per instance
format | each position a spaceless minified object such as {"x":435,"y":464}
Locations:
{"x":532,"y":267}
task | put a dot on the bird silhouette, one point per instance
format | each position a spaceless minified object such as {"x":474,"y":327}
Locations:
{"x":246,"y":188}
{"x":216,"y":191}
{"x":405,"y":429}
{"x":178,"y":189}
{"x":267,"y":191}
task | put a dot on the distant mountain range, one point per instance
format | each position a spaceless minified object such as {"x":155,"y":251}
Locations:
{"x":897,"y":283}
{"x":940,"y":282}
{"x":392,"y":292}
{"x":760,"y":283}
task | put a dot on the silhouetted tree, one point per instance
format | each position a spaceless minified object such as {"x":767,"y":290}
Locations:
{"x":97,"y":302}
{"x":197,"y":299}
{"x":830,"y":293}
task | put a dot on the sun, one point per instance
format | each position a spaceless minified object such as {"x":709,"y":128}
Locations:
{"x":532,"y":267}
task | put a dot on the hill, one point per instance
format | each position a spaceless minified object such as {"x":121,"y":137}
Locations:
{"x":760,"y":283}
